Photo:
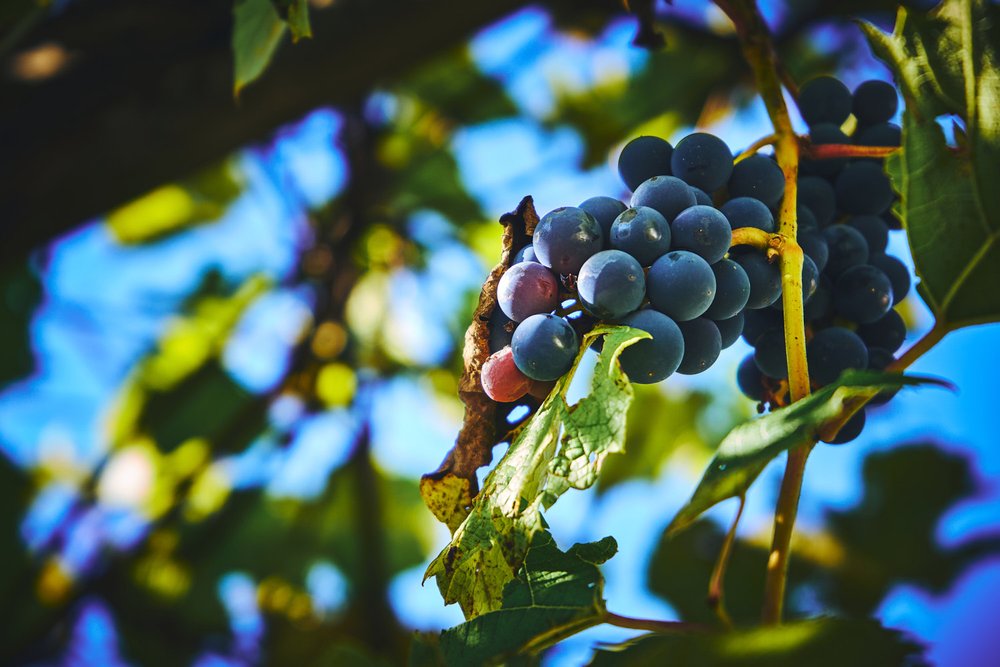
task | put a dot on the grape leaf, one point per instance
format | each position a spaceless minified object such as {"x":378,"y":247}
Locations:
{"x":749,"y":447}
{"x":257,"y":31}
{"x":296,"y":14}
{"x":489,"y":546}
{"x":555,"y":595}
{"x":946,"y":63}
{"x":818,"y":642}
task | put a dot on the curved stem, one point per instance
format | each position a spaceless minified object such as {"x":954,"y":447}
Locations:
{"x":917,"y":350}
{"x":751,"y":236}
{"x":716,"y":591}
{"x":831,"y":151}
{"x":752,"y":149}
{"x":651,"y":625}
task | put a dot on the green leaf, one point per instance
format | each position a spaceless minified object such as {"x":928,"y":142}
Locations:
{"x":555,"y":595}
{"x":749,"y":447}
{"x":947,"y":62}
{"x":488,"y":548}
{"x":257,"y":31}
{"x":820,"y":642}
{"x":296,"y":14}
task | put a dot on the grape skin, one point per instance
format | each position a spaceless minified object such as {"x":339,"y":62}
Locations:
{"x":642,"y":232}
{"x":611,"y":284}
{"x":701,"y":197}
{"x":702,"y":345}
{"x":526,"y":289}
{"x":664,"y":194}
{"x":759,"y":177}
{"x":850,"y":430}
{"x":887,"y":332}
{"x":525,"y":254}
{"x":702,"y":230}
{"x":815,"y":247}
{"x":731,"y":328}
{"x":862,"y":187}
{"x":732,"y":290}
{"x":818,"y":196}
{"x":565,"y":238}
{"x":544,"y":347}
{"x":642,"y":158}
{"x":681,"y":285}
{"x":756,"y":322}
{"x":703,"y":161}
{"x":654,"y":359}
{"x":898,"y":274}
{"x":874,"y":229}
{"x":750,"y":380}
{"x":862,"y":294}
{"x":874,"y":102}
{"x":824,"y":100}
{"x":847,"y":248}
{"x":604,"y":210}
{"x":770,"y":355}
{"x":765,"y":278}
{"x":832,"y":351}
{"x":748,"y":212}
{"x":501,"y":379}
{"x":824,"y":134}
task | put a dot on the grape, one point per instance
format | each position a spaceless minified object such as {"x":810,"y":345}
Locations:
{"x":850,"y":430}
{"x":501,"y":379}
{"x":862,"y":187}
{"x":653,"y":359}
{"x":887,"y":333}
{"x":810,"y":278}
{"x":879,"y":360}
{"x":899,"y":275}
{"x":874,"y":229}
{"x":765,"y":278}
{"x":681,"y":285}
{"x":641,"y":232}
{"x":750,"y":380}
{"x":526,"y":289}
{"x":642,"y":158}
{"x":820,"y":305}
{"x":525,"y":254}
{"x":862,"y":294}
{"x":814,"y":246}
{"x":701,"y":197}
{"x":702,"y":160}
{"x":831,"y":352}
{"x":819,"y":135}
{"x":501,"y":330}
{"x":874,"y":102}
{"x":604,"y":210}
{"x":565,"y":238}
{"x":824,"y":100}
{"x":730,"y":329}
{"x":769,"y":354}
{"x":847,"y":248}
{"x":611,"y":284}
{"x":882,"y":134}
{"x":756,"y":322}
{"x":702,"y":230}
{"x":544,"y":347}
{"x":805,"y":220}
{"x":665,"y":194}
{"x":748,"y":212}
{"x":817,"y":195}
{"x":759,"y":177}
{"x":732,"y":289}
{"x":702,"y":345}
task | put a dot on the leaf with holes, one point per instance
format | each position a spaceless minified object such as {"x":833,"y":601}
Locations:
{"x":947,"y":63}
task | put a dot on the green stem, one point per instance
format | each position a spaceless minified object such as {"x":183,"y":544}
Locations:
{"x":918,"y":349}
{"x":651,"y":625}
{"x":752,"y":149}
{"x":716,"y":590}
{"x":758,"y":50}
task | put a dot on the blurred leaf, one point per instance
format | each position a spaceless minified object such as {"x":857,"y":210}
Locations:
{"x":20,"y":294}
{"x":556,"y":594}
{"x":488,"y":548}
{"x":457,"y":88}
{"x":948,"y":62}
{"x":257,"y":31}
{"x":296,"y":14}
{"x":172,"y":208}
{"x":748,"y":448}
{"x":821,"y":642}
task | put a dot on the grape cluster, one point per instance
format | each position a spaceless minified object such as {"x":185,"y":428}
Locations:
{"x":663,"y":264}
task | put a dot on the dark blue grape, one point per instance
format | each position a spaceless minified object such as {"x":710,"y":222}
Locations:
{"x":732,"y":290}
{"x":879,"y":360}
{"x":730,"y":329}
{"x":810,"y":278}
{"x":681,"y":285}
{"x":654,"y":359}
{"x":759,"y":177}
{"x":769,"y":354}
{"x":525,"y":254}
{"x":611,"y":284}
{"x":748,"y":212}
{"x":665,"y":194}
{"x":815,"y":247}
{"x":642,"y":158}
{"x":527,"y":289}
{"x":862,"y":294}
{"x":765,"y":278}
{"x":702,"y":160}
{"x":824,"y":100}
{"x":862,"y":187}
{"x":544,"y":347}
{"x":874,"y":102}
{"x":565,"y":238}
{"x":641,"y":232}
{"x":887,"y":332}
{"x":702,"y":230}
{"x":501,"y":330}
{"x":750,"y":380}
{"x":832,"y":351}
{"x":897,"y":272}
{"x":874,"y":229}
{"x":756,"y":322}
{"x":820,"y":305}
{"x":805,"y":220}
{"x":882,"y":134}
{"x":850,"y":430}
{"x":604,"y":210}
{"x":819,"y":135}
{"x":847,"y":248}
{"x":701,"y":197}
{"x":817,"y":195}
{"x":702,"y":345}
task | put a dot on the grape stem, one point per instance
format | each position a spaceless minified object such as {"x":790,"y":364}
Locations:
{"x":917,"y":350}
{"x":752,"y":236}
{"x":716,"y":590}
{"x":651,"y":625}
{"x":833,"y":151}
{"x":758,"y":50}
{"x":752,"y":149}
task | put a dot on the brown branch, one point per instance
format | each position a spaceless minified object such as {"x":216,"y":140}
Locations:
{"x":833,"y":151}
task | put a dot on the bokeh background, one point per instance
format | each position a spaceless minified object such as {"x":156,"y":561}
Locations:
{"x":217,"y":395}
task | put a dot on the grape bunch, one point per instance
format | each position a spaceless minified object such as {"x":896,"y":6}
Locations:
{"x":663,"y":263}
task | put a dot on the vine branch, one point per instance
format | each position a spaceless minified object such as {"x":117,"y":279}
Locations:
{"x":716,"y":590}
{"x":832,"y":151}
{"x":651,"y":625}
